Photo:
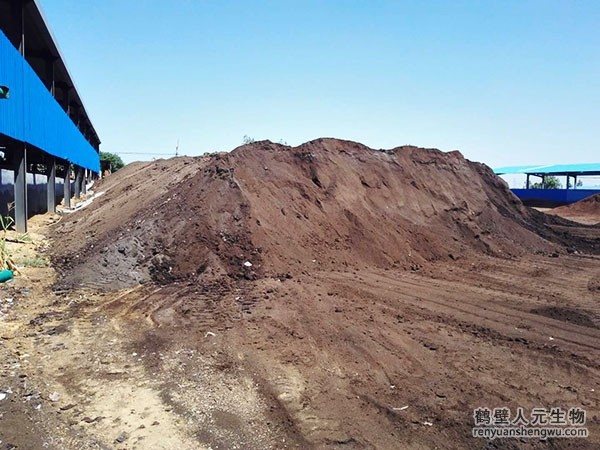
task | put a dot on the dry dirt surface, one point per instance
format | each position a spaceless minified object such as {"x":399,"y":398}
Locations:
{"x":321,"y":296}
{"x":586,"y":211}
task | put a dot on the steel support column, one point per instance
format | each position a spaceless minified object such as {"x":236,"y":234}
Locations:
{"x":77,"y":192}
{"x":67,"y":186}
{"x":49,"y":80}
{"x":51,"y":185}
{"x":84,"y":180}
{"x":16,"y":33}
{"x":20,"y":165}
{"x":67,"y":101}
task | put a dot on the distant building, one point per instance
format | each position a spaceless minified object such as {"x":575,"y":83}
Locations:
{"x":539,"y":195}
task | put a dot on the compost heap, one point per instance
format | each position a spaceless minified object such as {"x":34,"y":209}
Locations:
{"x":266,"y":209}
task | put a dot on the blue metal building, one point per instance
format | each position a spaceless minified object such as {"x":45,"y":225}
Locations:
{"x":44,"y":127}
{"x":553,"y":197}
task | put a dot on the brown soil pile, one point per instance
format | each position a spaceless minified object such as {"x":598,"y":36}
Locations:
{"x":322,"y":296}
{"x":266,"y":209}
{"x":586,"y":211}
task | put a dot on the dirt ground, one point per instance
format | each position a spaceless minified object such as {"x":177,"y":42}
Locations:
{"x":374,"y":314}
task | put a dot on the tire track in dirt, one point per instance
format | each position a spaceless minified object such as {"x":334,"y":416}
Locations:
{"x":575,"y":273}
{"x":426,"y":292}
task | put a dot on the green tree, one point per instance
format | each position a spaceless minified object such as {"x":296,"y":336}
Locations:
{"x":115,"y":160}
{"x":570,"y":184}
{"x":550,"y":182}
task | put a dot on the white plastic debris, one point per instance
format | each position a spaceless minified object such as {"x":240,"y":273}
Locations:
{"x":248,"y":264}
{"x":54,"y":397}
{"x":84,"y":203}
{"x":403,"y":408}
{"x":3,"y":395}
{"x":209,"y":333}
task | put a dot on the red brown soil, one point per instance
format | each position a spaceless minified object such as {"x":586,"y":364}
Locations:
{"x":327,"y":204}
{"x":376,"y":280}
{"x":586,"y":211}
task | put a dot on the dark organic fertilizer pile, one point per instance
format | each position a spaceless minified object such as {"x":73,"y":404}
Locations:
{"x":266,"y":208}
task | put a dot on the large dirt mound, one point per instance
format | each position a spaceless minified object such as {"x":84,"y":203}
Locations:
{"x":269,"y":209}
{"x":584,"y":211}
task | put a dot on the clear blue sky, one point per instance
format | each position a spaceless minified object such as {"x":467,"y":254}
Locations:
{"x":505,"y":82}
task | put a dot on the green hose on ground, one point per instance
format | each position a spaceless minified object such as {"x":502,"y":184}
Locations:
{"x":6,"y":275}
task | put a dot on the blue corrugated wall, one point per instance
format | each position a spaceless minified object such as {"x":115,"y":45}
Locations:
{"x":32,"y":115}
{"x":555,"y":195}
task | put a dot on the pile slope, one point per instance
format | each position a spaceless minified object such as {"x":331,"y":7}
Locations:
{"x":586,"y":211}
{"x":268,"y":209}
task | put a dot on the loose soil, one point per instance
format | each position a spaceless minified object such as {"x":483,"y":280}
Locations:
{"x":321,"y":296}
{"x":586,"y":211}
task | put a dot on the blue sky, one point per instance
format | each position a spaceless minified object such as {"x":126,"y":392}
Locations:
{"x":505,"y":82}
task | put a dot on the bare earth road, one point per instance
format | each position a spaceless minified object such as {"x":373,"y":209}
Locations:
{"x":326,"y":361}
